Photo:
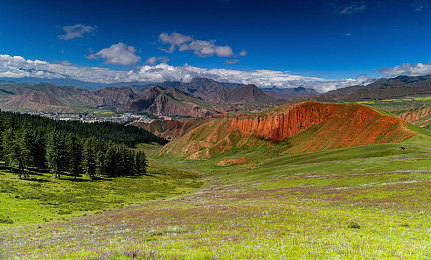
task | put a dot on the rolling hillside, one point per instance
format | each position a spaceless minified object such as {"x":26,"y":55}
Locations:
{"x":298,"y":128}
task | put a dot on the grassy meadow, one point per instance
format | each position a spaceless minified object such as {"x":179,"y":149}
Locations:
{"x":43,"y":198}
{"x":366,"y":202}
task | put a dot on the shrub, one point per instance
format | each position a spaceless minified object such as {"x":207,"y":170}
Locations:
{"x":354,"y":225}
{"x":6,"y":220}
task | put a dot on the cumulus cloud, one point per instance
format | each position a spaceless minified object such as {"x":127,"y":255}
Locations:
{"x":174,"y":39}
{"x":223,"y":51}
{"x":243,"y":53}
{"x":77,"y":31}
{"x":154,"y":60}
{"x":119,"y":53}
{"x":418,"y":69}
{"x":199,"y":47}
{"x":19,"y":67}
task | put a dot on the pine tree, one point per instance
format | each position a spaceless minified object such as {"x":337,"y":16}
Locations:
{"x":100,"y":162}
{"x":28,"y":144}
{"x":140,"y":163}
{"x":74,"y":150}
{"x":16,"y":151}
{"x":56,"y":154}
{"x":39,"y":152}
{"x":89,"y":157}
{"x":111,"y":158}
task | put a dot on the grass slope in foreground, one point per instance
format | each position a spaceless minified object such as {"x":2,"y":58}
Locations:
{"x":365,"y":202}
{"x":43,"y":198}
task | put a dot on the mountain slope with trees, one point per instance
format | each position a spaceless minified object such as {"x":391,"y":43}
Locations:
{"x":76,"y":148}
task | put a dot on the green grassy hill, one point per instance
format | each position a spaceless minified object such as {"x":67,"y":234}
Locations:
{"x":364,"y":202}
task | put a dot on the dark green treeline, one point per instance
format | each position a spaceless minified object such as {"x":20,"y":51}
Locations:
{"x":73,"y":148}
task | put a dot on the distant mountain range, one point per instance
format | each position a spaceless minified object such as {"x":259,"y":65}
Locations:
{"x":46,"y":97}
{"x":288,"y":93}
{"x":186,"y":99}
{"x":399,"y":87}
{"x":199,"y":97}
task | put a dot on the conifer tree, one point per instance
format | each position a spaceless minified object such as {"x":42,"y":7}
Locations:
{"x":56,"y":154}
{"x":39,"y":152}
{"x":89,"y":157}
{"x":111,"y":157}
{"x":74,"y":150}
{"x":140,"y":163}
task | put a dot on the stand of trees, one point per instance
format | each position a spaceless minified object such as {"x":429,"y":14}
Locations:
{"x":118,"y":133}
{"x":41,"y":143}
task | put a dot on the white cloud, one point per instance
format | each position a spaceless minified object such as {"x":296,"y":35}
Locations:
{"x":346,"y":7}
{"x":418,"y":69}
{"x":223,"y":51}
{"x":76,"y":31}
{"x":65,"y":62}
{"x":199,"y":47}
{"x":119,"y":53}
{"x":18,"y":67}
{"x":175,"y":39}
{"x":233,"y":61}
{"x":243,"y":53}
{"x":154,"y":60}
{"x":354,"y":7}
{"x":325,"y":86}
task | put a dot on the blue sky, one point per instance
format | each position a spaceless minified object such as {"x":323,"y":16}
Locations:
{"x":329,"y":39}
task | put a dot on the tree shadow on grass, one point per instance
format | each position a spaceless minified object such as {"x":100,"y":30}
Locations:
{"x":37,"y":180}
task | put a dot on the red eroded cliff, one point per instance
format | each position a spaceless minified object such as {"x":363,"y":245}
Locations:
{"x":285,"y":122}
{"x":307,"y":126}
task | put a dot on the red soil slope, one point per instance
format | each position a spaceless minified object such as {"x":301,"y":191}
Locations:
{"x":420,"y":116}
{"x":307,"y":126}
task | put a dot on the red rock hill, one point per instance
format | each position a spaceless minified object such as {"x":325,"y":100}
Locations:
{"x":307,"y":127}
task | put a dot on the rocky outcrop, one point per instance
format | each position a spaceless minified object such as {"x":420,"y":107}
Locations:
{"x":307,"y":126}
{"x":170,"y":102}
{"x":114,"y":97}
